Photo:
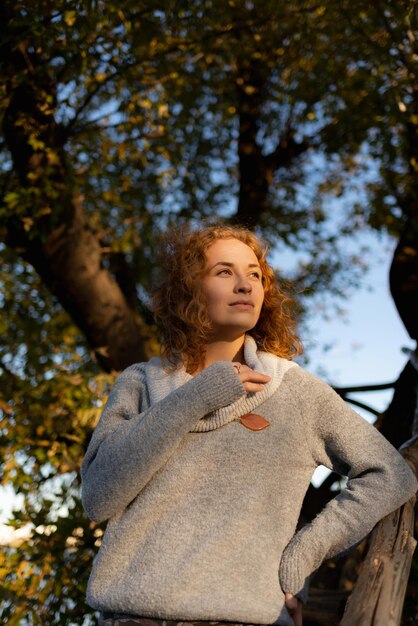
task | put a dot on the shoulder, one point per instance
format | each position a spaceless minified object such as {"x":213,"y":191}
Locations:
{"x":303,"y":379}
{"x":138,"y":371}
{"x":310,"y":390}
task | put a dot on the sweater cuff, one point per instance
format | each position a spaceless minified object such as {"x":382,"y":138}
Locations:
{"x":294,"y":572}
{"x":218,"y":385}
{"x":303,"y":594}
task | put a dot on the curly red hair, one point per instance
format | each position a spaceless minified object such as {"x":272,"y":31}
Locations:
{"x":179,"y":305}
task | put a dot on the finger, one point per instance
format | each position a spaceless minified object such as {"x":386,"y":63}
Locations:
{"x":244,"y":370}
{"x":291,"y":602}
{"x":255,"y":377}
{"x":252,"y":387}
{"x":241,"y":367}
{"x":294,"y":606}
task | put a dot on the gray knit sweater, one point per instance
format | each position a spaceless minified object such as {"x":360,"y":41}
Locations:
{"x":202,"y":511}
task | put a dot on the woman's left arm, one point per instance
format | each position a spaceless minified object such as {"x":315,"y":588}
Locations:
{"x":380,"y":481}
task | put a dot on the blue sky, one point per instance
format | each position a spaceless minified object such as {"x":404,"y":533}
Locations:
{"x":368,"y":341}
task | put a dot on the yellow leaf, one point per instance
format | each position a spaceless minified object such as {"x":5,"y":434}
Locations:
{"x":12,"y":199}
{"x":145,"y":103}
{"x":36,"y":143}
{"x":70,"y":17}
{"x":46,"y":210}
{"x":53,"y":158}
{"x":27,"y":223}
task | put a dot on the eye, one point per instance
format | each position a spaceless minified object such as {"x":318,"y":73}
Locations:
{"x":223,"y":272}
{"x":256,"y":274}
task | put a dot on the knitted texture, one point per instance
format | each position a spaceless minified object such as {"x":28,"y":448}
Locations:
{"x":202,"y":524}
{"x":160,"y":383}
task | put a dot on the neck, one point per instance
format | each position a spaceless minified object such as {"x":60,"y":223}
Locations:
{"x":223,"y":351}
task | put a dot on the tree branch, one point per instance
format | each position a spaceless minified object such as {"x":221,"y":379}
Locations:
{"x":360,"y":388}
{"x":362,"y":405}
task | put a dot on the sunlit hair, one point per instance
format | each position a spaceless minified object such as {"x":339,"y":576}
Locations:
{"x":179,"y":305}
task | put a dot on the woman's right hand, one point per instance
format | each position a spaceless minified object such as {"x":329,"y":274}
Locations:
{"x":294,"y":607}
{"x":252,"y":381}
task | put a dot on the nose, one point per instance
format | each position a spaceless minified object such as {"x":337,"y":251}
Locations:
{"x":243,"y":285}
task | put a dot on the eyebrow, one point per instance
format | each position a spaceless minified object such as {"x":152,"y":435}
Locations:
{"x":228,"y":264}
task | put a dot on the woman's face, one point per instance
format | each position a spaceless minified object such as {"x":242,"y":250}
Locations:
{"x":233,"y":288}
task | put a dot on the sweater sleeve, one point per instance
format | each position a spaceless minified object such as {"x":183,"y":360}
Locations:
{"x":379,"y":482}
{"x":128,"y":447}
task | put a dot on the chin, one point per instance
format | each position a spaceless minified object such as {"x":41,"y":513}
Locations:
{"x":231,"y":334}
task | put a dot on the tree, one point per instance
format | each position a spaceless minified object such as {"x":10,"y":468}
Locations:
{"x":117,"y":121}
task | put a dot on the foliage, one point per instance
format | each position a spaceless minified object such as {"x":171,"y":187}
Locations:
{"x":147,"y":116}
{"x":51,"y":397}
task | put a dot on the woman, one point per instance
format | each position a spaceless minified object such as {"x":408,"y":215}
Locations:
{"x":202,"y":458}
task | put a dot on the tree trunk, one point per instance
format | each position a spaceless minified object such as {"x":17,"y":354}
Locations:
{"x":69,"y":263}
{"x":395,"y":423}
{"x":404,"y":274}
{"x":48,"y":228}
{"x":256,"y":170}
{"x":378,"y":597}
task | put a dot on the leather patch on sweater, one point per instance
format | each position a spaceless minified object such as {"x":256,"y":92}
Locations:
{"x":254,"y":422}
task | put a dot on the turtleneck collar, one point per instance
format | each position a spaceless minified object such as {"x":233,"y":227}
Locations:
{"x":160,"y":383}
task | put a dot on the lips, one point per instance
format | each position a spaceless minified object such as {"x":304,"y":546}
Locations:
{"x":242,"y":302}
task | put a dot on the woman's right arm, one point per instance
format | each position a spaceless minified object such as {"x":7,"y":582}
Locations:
{"x":128,"y":447}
